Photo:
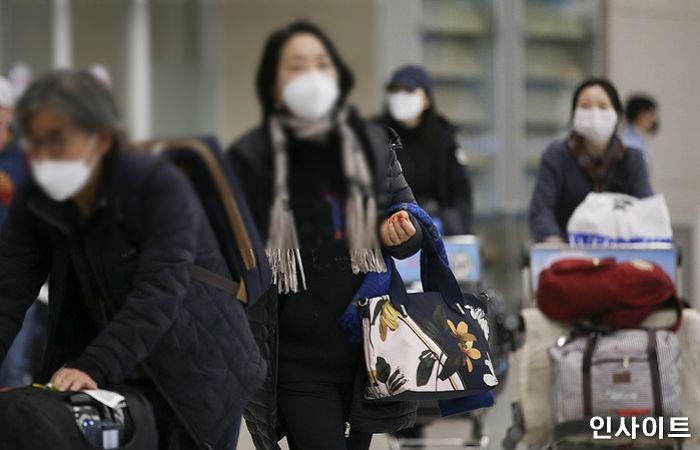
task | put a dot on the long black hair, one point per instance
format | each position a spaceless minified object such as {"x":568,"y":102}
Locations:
{"x":608,"y":87}
{"x":266,"y":77}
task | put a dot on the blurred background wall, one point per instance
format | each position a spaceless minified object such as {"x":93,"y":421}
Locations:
{"x":652,"y":48}
{"x":504,"y":69}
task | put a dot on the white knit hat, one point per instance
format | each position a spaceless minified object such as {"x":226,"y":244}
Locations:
{"x":7,"y":99}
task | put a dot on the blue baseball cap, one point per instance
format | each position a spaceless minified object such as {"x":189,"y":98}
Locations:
{"x":412,"y":76}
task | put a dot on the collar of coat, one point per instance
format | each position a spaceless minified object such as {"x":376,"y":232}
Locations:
{"x":596,"y":168}
{"x":58,"y":214}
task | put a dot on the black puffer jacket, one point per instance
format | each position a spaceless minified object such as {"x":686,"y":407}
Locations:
{"x":251,"y":158}
{"x":192,"y":339}
{"x":435,"y":165}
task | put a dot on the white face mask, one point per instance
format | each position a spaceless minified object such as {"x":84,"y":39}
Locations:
{"x":595,"y":124}
{"x":405,"y":106}
{"x":61,"y":180}
{"x":311,"y":96}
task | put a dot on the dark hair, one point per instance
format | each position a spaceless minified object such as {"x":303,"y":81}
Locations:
{"x":638,"y":104}
{"x":269,"y":63}
{"x":76,"y":95}
{"x":607,"y":86}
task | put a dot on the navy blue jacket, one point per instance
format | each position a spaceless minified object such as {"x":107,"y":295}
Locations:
{"x":562,"y":184}
{"x":191,"y":339}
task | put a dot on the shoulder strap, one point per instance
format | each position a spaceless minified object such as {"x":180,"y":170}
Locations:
{"x":130,"y":178}
{"x":586,"y":379}
{"x":227,"y":285}
{"x":655,"y":372}
{"x":230,"y":215}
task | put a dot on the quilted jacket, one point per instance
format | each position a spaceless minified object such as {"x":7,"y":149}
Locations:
{"x":191,"y":339}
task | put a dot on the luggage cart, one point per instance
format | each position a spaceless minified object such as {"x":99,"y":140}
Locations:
{"x":577,"y":434}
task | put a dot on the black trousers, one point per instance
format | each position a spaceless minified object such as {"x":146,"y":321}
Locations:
{"x":315,"y":415}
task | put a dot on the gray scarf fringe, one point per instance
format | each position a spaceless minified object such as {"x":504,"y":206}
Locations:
{"x":283,"y":249}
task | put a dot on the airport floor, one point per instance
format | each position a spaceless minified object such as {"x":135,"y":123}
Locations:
{"x":497,"y":421}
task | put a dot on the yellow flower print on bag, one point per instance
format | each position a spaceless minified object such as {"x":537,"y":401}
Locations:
{"x":465,"y":343}
{"x":388,"y":319}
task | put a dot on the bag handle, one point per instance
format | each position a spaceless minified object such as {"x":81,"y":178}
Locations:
{"x":678,"y":304}
{"x":586,"y":379}
{"x":436,"y":275}
{"x":655,"y":372}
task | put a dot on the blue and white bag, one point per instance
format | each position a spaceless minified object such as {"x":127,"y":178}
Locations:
{"x":610,"y":218}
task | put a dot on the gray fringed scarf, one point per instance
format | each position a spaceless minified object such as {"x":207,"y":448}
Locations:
{"x":283,"y":249}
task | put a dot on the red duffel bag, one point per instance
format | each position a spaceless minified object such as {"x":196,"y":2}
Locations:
{"x":619,"y":295}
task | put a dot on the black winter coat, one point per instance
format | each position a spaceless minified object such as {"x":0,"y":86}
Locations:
{"x":193,"y":340}
{"x":436,"y":168}
{"x":251,"y":158}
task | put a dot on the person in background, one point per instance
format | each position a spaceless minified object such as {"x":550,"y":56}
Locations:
{"x":13,"y":162}
{"x":20,"y":76}
{"x":319,"y":180}
{"x":591,"y":159}
{"x":433,"y":161}
{"x":125,"y":302}
{"x":102,"y":73}
{"x":14,"y":170}
{"x":642,"y":123}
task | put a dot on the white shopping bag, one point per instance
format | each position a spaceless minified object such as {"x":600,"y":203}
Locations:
{"x":608,"y":218}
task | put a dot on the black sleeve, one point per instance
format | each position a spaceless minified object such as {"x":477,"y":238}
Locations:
{"x":460,"y":189}
{"x":24,"y":267}
{"x":172,"y":218}
{"x":400,"y":192}
{"x":543,"y":218}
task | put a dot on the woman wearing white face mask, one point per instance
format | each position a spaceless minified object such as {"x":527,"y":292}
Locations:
{"x":591,"y":159}
{"x":319,"y":180}
{"x":433,"y":161}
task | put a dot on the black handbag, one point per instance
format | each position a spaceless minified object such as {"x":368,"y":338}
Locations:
{"x":38,"y":419}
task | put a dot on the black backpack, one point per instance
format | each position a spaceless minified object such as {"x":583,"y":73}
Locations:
{"x":223,"y":200}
